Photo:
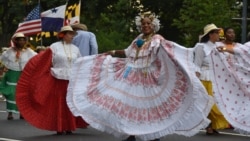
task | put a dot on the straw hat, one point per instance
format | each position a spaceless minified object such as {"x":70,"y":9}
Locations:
{"x":18,"y":35}
{"x":209,"y":28}
{"x":80,"y":26}
{"x":4,"y":49}
{"x":66,"y":28}
{"x":63,"y":30}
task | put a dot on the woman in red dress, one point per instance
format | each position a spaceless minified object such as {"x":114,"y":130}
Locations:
{"x":42,"y":88}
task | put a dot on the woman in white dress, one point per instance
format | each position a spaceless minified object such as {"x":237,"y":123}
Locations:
{"x":14,"y":59}
{"x":229,"y":41}
{"x":232,"y":88}
{"x":151,"y":93}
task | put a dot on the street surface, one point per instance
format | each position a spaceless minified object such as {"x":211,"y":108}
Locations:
{"x":20,"y":130}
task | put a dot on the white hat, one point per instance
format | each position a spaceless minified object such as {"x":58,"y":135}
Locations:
{"x":66,"y":28}
{"x":79,"y":26}
{"x":209,"y":28}
{"x":18,"y":35}
{"x":60,"y":35}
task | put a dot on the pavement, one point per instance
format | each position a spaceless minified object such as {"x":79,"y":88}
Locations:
{"x":20,"y":130}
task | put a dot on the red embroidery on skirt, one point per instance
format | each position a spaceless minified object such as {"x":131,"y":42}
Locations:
{"x":115,"y":106}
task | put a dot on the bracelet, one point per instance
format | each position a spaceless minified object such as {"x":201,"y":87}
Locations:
{"x":113,"y":52}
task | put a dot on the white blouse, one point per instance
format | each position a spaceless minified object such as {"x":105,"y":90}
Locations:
{"x":8,"y":58}
{"x":202,"y":59}
{"x":146,"y":55}
{"x":64,"y":55}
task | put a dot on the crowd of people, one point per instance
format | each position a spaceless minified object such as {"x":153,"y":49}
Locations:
{"x":158,"y":88}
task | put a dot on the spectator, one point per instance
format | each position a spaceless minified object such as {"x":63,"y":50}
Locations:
{"x":85,"y":40}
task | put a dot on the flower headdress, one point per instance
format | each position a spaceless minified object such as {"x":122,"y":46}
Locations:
{"x":221,"y":34}
{"x":151,"y":16}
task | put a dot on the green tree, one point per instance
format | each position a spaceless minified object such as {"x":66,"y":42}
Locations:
{"x":167,"y":10}
{"x":111,"y":21}
{"x":195,"y":14}
{"x":11,"y":12}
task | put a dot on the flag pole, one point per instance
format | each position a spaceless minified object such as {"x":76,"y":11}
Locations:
{"x":41,"y":42}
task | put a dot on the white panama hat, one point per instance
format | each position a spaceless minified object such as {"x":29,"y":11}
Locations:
{"x":18,"y":35}
{"x":66,"y":28}
{"x":209,"y":28}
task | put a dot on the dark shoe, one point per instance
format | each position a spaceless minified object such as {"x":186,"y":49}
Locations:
{"x":130,"y":138}
{"x":10,"y":118}
{"x":59,"y":133}
{"x":68,"y":132}
{"x":21,"y":117}
{"x":207,"y":133}
{"x":156,"y":140}
{"x":211,"y":131}
{"x":215,"y":131}
{"x":231,"y":127}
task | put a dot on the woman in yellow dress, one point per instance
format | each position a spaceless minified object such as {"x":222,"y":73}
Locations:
{"x":203,"y":70}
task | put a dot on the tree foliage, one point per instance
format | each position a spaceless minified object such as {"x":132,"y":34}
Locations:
{"x":167,"y":10}
{"x":113,"y":20}
{"x":195,"y":14}
{"x":11,"y":14}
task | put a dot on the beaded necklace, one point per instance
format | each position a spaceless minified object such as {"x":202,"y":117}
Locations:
{"x":68,"y":53}
{"x":142,"y":43}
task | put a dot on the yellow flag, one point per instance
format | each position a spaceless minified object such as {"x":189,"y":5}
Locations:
{"x":72,"y":12}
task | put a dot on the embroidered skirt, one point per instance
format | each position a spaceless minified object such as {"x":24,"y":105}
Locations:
{"x":169,"y":99}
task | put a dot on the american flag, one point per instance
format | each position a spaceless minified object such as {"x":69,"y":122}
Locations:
{"x":32,"y":23}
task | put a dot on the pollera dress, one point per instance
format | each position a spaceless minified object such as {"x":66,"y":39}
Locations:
{"x":150,"y":93}
{"x":232,"y":86}
{"x":15,"y":65}
{"x":42,"y":89}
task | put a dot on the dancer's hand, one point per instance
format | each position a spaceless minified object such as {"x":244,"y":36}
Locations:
{"x":112,"y":52}
{"x":198,"y":74}
{"x":221,"y":49}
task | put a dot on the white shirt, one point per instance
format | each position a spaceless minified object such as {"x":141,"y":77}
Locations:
{"x":8,"y":58}
{"x":202,"y":59}
{"x":64,"y":55}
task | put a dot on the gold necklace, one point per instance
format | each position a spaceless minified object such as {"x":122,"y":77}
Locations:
{"x":68,"y":53}
{"x":146,"y":40}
